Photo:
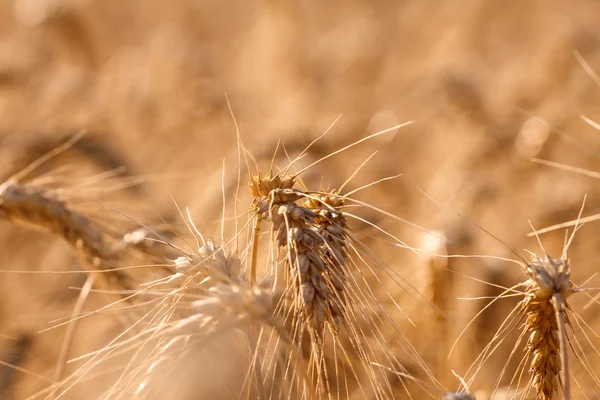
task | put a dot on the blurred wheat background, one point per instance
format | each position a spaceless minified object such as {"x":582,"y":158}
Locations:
{"x":489,"y":84}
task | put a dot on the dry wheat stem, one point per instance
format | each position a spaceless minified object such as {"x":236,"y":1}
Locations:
{"x":254,"y":256}
{"x":437,"y":289}
{"x":77,"y":309}
{"x":559,"y":304}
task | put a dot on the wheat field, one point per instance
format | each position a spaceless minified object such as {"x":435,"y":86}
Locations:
{"x":307,"y":200}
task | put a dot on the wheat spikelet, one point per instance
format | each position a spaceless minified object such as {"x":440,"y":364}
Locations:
{"x":331,"y":225}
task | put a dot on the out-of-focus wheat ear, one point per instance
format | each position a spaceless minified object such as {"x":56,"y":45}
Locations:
{"x":38,"y":208}
{"x":438,"y":290}
{"x":35,"y":207}
{"x":10,"y":363}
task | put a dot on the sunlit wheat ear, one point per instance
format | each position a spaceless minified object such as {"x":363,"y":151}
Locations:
{"x":225,"y":304}
{"x":309,"y":258}
{"x":312,"y":253}
{"x":224,"y":308}
{"x":543,"y":310}
{"x":544,"y":305}
{"x":543,"y":313}
{"x":325,"y":272}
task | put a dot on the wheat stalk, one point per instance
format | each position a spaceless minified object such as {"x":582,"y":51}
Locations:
{"x":437,"y":290}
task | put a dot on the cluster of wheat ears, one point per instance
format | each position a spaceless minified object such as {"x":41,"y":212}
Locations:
{"x":290,"y":307}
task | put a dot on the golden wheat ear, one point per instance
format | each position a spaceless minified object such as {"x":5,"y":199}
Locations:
{"x":544,"y":305}
{"x":543,"y":310}
{"x":327,"y":298}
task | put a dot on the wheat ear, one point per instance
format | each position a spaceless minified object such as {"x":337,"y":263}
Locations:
{"x":34,"y":206}
{"x":547,"y":289}
{"x":310,"y":257}
{"x":225,"y":301}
